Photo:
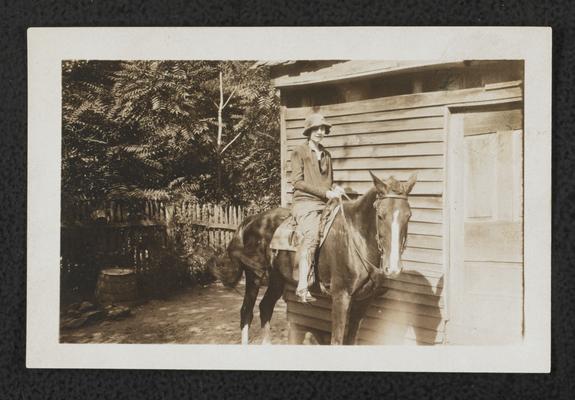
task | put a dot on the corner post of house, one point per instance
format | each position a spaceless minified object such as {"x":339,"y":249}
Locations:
{"x":283,"y":151}
{"x":453,"y":206}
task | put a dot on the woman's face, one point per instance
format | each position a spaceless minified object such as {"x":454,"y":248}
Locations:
{"x":316,"y":135}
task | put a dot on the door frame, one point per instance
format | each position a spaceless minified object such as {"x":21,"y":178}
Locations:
{"x":453,"y":227}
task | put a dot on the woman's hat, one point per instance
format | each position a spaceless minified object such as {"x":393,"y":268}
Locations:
{"x":314,"y":121}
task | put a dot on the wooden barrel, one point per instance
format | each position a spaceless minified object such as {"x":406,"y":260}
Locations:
{"x":117,"y":285}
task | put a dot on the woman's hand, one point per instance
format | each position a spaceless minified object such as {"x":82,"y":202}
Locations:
{"x":333,"y":194}
{"x":339,"y":189}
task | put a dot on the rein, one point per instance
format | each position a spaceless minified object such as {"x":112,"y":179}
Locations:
{"x":364,"y":261}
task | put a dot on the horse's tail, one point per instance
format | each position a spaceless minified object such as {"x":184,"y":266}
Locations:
{"x":228,"y":267}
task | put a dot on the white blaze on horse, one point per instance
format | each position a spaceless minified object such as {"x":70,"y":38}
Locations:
{"x":362,"y":248}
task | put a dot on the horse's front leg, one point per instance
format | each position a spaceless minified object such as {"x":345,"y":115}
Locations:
{"x":339,"y":316}
{"x":272,"y":295}
{"x":356,"y":314}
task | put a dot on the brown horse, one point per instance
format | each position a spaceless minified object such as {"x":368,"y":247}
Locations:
{"x":363,"y":246}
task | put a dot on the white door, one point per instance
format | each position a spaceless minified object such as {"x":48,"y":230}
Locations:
{"x":485,"y":170}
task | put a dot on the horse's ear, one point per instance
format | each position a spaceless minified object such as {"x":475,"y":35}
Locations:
{"x":381,"y":186}
{"x":407,"y":186}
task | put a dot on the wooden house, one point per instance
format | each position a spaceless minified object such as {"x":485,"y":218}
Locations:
{"x":459,"y":124}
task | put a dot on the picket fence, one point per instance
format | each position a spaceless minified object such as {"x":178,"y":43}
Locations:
{"x":217,"y":222}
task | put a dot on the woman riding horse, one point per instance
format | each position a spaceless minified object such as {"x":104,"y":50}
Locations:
{"x":312,"y":179}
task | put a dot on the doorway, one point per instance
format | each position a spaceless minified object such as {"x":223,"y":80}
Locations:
{"x":485,"y":240}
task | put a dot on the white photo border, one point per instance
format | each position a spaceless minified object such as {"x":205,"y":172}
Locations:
{"x":47,"y":47}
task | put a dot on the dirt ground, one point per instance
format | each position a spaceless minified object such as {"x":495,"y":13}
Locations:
{"x":198,"y":315}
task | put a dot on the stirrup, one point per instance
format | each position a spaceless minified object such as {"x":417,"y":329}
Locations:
{"x":304,"y":296}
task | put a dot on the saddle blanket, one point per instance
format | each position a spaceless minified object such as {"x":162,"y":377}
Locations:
{"x":287,"y":238}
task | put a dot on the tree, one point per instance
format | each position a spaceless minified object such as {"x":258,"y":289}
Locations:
{"x":153,"y":129}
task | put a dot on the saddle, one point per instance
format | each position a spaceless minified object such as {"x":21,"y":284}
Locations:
{"x":287,"y":238}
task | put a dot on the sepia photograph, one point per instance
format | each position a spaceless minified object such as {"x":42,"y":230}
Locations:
{"x":371,"y":203}
{"x":317,"y":187}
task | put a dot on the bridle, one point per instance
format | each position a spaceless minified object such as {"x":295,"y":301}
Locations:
{"x":391,"y":196}
{"x":364,"y":261}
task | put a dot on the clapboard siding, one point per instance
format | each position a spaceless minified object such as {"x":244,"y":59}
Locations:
{"x":425,"y":228}
{"x":434,"y":202}
{"x":378,"y":127}
{"x":426,"y":215}
{"x":413,"y":136}
{"x":411,"y":308}
{"x":425,"y":242}
{"x":421,"y":188}
{"x":419,"y":288}
{"x":394,"y":136}
{"x":382,"y":162}
{"x":388,"y":150}
{"x":431,"y":256}
{"x":383,"y":150}
{"x":423,"y":175}
{"x":313,"y":322}
{"x":410,"y":297}
{"x":423,"y":268}
{"x":390,"y":162}
{"x":417,"y":278}
{"x":374,"y":116}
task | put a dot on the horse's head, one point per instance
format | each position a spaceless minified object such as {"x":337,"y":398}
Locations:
{"x":393,"y":213}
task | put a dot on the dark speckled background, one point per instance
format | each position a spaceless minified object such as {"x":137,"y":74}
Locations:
{"x":18,"y":383}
